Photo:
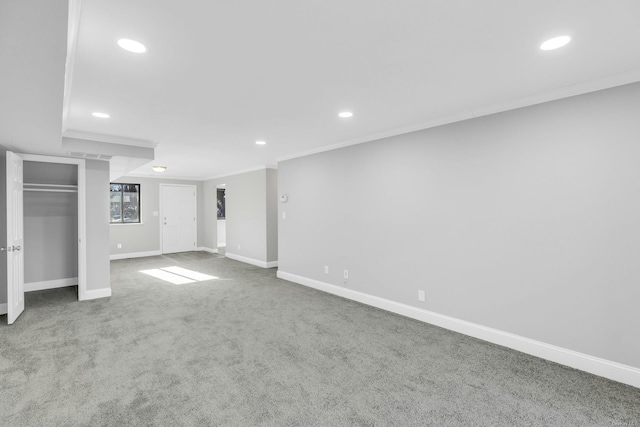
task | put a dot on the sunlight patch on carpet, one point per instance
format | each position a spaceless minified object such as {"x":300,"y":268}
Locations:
{"x":178,"y":275}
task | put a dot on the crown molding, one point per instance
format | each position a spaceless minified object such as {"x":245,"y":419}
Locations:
{"x":111,"y":139}
{"x":582,"y":88}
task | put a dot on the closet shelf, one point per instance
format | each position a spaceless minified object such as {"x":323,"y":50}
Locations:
{"x":53,"y":188}
{"x":34,"y":184}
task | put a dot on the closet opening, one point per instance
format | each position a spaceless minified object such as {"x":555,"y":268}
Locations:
{"x":54,"y":223}
{"x":50,"y":225}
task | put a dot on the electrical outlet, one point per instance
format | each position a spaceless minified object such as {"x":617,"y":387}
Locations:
{"x":326,"y":269}
{"x":238,"y":248}
{"x":284,"y":215}
{"x":346,"y":274}
{"x":119,"y":245}
{"x":421,"y":296}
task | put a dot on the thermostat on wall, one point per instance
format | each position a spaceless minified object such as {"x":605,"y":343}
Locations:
{"x":283,"y":198}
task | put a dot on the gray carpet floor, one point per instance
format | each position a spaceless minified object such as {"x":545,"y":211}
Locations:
{"x":249,"y":349}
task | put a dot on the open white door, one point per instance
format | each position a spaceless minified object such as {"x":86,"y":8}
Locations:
{"x":15,"y":238}
{"x":178,"y":218}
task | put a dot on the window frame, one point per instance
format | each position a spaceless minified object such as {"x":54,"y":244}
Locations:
{"x":139,"y":207}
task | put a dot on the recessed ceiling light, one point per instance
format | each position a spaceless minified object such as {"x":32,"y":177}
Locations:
{"x":345,"y":114}
{"x":261,"y":142}
{"x":100,"y":115}
{"x":159,"y":168}
{"x":132,"y":46}
{"x":555,"y":43}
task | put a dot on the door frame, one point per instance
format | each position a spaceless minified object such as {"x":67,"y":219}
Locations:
{"x":82,"y":213}
{"x":161,"y":217}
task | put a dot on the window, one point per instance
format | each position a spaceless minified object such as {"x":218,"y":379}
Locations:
{"x":221,"y":203}
{"x":125,"y":203}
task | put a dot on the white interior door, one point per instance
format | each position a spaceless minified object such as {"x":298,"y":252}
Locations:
{"x":15,"y":238}
{"x":178,"y":218}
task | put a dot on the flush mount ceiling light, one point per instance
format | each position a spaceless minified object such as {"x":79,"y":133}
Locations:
{"x":132,"y":46}
{"x":261,"y":142}
{"x":100,"y":115}
{"x":555,"y":43}
{"x":345,"y":114}
{"x":159,"y":168}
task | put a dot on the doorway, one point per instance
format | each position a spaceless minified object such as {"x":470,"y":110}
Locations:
{"x":221,"y":196}
{"x":178,"y":218}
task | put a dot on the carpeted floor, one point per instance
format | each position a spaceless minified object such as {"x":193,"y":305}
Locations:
{"x":249,"y":349}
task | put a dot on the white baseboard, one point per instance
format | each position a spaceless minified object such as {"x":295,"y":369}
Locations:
{"x":96,"y":293}
{"x":252,"y":261}
{"x":3,"y":308}
{"x":135,"y":255}
{"x":212,"y":251}
{"x":50,"y":284}
{"x":584,"y":362}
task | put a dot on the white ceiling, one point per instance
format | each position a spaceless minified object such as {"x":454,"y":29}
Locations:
{"x":33,"y":48}
{"x":219,"y":75}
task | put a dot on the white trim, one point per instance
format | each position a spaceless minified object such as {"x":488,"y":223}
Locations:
{"x":195,"y":212}
{"x":202,"y":248}
{"x":584,"y":362}
{"x":484,"y":110}
{"x":164,"y":176}
{"x":3,"y":308}
{"x":82,"y":230}
{"x":97,"y":293}
{"x":201,"y":178}
{"x":51,"y":159}
{"x":135,"y":255}
{"x":50,"y":284}
{"x":252,"y":261}
{"x":154,"y":253}
{"x":240,"y":172}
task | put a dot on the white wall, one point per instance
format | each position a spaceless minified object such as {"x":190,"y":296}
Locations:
{"x":246,"y":215}
{"x":251,"y":224}
{"x":222,"y":232}
{"x":50,"y":236}
{"x":272,"y":214}
{"x":97,"y":201}
{"x":145,"y":237}
{"x":210,"y":213}
{"x":525,"y":221}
